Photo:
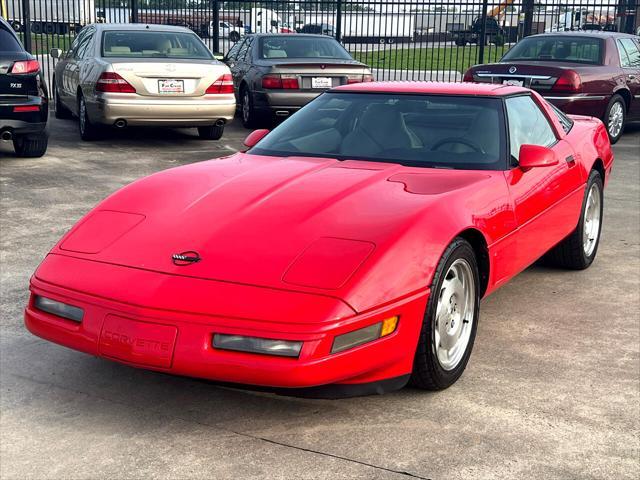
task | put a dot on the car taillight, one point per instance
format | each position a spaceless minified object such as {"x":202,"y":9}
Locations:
{"x":26,"y":67}
{"x":351,"y":79}
{"x":114,"y":83}
{"x":279,"y":82}
{"x":569,"y":81}
{"x":468,"y":76}
{"x":223,"y":85}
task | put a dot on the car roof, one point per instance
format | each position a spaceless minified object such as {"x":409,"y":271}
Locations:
{"x":589,"y":34}
{"x":435,"y":88}
{"x":141,"y":26}
{"x":293,"y":35}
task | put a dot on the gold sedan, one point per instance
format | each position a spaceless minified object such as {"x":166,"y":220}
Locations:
{"x":135,"y":74}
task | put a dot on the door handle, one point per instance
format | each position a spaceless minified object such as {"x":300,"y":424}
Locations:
{"x":571,"y":161}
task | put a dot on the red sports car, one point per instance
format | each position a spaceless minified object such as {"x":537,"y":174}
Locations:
{"x":349,"y":248}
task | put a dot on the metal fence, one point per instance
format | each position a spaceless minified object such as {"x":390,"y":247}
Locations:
{"x":399,"y":39}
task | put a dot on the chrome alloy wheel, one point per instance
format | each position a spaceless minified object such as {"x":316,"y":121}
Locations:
{"x":82,"y":116}
{"x":592,"y":212}
{"x":454,"y":314}
{"x":616,"y":119}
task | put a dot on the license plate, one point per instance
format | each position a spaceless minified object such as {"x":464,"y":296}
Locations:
{"x":513,"y":83}
{"x":142,"y":343}
{"x":321,"y":82}
{"x":170,"y":86}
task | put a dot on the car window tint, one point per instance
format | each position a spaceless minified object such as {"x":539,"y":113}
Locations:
{"x":629,"y":53}
{"x":242,"y":54}
{"x":302,"y":47}
{"x":150,"y":44}
{"x":527,"y":125}
{"x":437,"y":131}
{"x":232,"y":54}
{"x":8,"y":42}
{"x":563,"y":48}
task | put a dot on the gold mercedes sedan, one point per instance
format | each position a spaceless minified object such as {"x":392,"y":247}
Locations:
{"x":135,"y":74}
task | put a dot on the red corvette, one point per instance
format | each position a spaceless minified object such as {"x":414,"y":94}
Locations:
{"x":349,"y":248}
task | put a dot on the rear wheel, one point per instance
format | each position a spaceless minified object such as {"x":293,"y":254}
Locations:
{"x":450,"y":321}
{"x":247,"y":110}
{"x":615,"y":117}
{"x":578,"y":250}
{"x":88,"y":131}
{"x":31,"y":146}
{"x":61,"y":111}
{"x":211,"y":132}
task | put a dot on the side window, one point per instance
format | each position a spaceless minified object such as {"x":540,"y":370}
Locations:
{"x":232,"y":54}
{"x":83,"y":45}
{"x":566,"y":122}
{"x":629,"y":53}
{"x":527,"y":125}
{"x":76,"y":43}
{"x":246,"y":46}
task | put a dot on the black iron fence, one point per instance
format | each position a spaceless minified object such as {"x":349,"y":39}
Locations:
{"x":399,"y":39}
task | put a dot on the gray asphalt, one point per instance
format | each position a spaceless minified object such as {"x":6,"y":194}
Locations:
{"x":552,"y":389}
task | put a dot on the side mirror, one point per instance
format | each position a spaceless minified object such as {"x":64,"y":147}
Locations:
{"x":535,"y":156}
{"x":254,"y":137}
{"x":56,"y":53}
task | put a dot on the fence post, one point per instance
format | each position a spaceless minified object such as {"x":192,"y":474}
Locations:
{"x":527,"y":27}
{"x":482,"y":35}
{"x":134,"y":11}
{"x":26,"y":25}
{"x":216,"y":25}
{"x":339,"y":20}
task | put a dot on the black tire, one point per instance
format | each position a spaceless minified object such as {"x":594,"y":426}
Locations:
{"x":17,"y":26}
{"x":617,"y":103}
{"x":460,"y":42}
{"x":570,"y":253}
{"x":247,"y":110}
{"x":211,"y":132}
{"x":88,"y":131}
{"x":234,"y":36}
{"x":31,"y":146}
{"x":428,"y":372}
{"x":61,"y":112}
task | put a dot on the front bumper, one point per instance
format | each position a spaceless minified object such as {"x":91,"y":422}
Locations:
{"x":138,"y":110}
{"x":588,"y":105}
{"x":180,"y":342}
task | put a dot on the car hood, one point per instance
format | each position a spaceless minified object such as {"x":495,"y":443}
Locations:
{"x":290,"y":223}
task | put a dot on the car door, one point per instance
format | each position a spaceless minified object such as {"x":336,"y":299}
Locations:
{"x":67,"y":65}
{"x":75,"y":64}
{"x":629,"y":52}
{"x":231,"y":59}
{"x":243,"y":61}
{"x":547,"y":200}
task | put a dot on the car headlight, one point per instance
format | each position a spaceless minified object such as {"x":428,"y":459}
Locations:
{"x":267,"y":346}
{"x":364,"y":335}
{"x":58,"y":308}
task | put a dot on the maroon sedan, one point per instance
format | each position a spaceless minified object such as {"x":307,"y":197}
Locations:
{"x":583,"y":73}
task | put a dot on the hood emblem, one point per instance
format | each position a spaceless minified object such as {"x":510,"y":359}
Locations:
{"x":512,"y":69}
{"x":185,"y":258}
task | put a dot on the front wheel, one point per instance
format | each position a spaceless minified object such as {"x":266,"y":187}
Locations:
{"x":61,"y":112}
{"x":211,"y":132}
{"x":579,"y":249}
{"x":615,"y":117}
{"x":450,"y":321}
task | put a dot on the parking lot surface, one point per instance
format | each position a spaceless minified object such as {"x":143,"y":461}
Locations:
{"x":552,"y":389}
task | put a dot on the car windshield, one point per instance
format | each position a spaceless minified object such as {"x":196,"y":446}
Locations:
{"x":301,"y":47}
{"x":149,"y":44}
{"x":417,"y":130}
{"x":561,"y":48}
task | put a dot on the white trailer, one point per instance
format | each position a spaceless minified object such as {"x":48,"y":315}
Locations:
{"x":378,"y":28}
{"x":52,"y":16}
{"x":583,"y":19}
{"x":264,"y":20}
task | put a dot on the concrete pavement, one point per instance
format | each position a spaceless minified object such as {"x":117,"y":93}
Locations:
{"x":552,"y":389}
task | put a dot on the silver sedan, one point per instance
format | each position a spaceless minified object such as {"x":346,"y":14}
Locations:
{"x":128,"y":75}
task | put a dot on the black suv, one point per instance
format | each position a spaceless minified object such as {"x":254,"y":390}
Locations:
{"x":24,"y":99}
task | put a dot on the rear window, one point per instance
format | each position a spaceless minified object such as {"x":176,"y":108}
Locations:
{"x":8,"y":42}
{"x":561,"y":48}
{"x":147,"y":44}
{"x":302,"y":47}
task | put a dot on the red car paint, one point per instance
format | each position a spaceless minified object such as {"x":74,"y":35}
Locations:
{"x":300,"y":249}
{"x":595,"y":84}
